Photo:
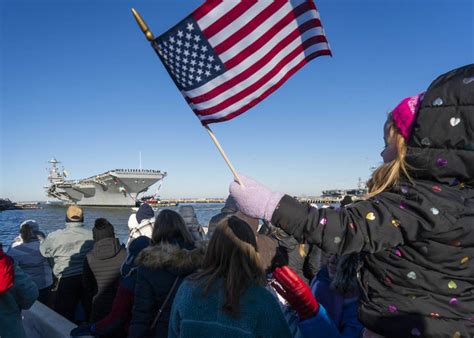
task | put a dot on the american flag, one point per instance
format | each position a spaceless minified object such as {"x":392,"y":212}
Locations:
{"x":229,"y":55}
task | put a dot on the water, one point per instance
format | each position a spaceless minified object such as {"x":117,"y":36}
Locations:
{"x":51,"y":218}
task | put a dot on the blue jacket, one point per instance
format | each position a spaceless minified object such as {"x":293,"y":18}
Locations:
{"x":337,"y":316}
{"x":196,"y":315}
{"x":325,"y":327}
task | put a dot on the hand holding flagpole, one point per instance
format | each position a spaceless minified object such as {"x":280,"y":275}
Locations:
{"x":150,"y":37}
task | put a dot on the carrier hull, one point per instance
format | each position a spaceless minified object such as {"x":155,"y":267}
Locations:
{"x":119,"y":187}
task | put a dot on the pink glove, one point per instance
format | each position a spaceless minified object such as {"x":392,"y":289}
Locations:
{"x":254,"y":199}
{"x":298,"y":294}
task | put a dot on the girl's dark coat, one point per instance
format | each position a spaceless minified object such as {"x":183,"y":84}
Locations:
{"x":419,"y":278}
{"x":159,"y":266}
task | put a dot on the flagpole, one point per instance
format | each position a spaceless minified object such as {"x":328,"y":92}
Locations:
{"x":149,"y":36}
{"x":143,"y":26}
{"x":226,"y":159}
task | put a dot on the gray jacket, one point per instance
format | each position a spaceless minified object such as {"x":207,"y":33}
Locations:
{"x":68,"y":248}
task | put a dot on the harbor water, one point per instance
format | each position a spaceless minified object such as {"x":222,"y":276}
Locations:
{"x":51,"y":218}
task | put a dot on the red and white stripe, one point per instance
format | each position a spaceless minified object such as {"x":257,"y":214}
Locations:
{"x":261,"y":44}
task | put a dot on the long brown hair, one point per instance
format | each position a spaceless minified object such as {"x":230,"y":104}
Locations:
{"x":169,"y":227}
{"x":390,"y":174}
{"x":233,"y":256}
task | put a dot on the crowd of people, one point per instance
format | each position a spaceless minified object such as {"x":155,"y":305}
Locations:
{"x":398,"y":263}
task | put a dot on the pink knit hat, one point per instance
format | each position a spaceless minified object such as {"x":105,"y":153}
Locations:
{"x":404,"y":114}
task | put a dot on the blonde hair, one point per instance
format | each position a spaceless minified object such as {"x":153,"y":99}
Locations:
{"x":390,"y":174}
{"x":302,"y":250}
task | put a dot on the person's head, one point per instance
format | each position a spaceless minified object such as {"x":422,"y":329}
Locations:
{"x":232,"y":255}
{"x":169,"y":228}
{"x":74,"y":214}
{"x":230,"y":206}
{"x":102,"y":229}
{"x":136,"y":246}
{"x":145,"y":211}
{"x":348,"y":199}
{"x":397,"y":130}
{"x":27,"y":233}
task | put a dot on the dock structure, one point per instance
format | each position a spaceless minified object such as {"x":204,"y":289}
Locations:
{"x":319,"y":200}
{"x":192,"y":200}
{"x":313,"y":199}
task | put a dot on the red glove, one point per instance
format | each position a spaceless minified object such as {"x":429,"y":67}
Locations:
{"x":297,"y":293}
{"x":6,"y":272}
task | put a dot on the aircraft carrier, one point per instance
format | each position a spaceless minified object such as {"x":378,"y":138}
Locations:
{"x":117,"y":187}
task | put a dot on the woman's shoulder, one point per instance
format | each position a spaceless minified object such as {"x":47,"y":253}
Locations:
{"x":190,"y":293}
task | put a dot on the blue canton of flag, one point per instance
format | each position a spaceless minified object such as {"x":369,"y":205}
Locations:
{"x":187,"y":55}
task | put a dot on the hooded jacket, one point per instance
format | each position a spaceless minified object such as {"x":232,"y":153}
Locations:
{"x":159,"y":266}
{"x":101,"y":276}
{"x":419,"y":277}
{"x":144,"y":228}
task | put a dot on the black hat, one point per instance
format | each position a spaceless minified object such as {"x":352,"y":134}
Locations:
{"x":102,"y":229}
{"x":145,"y":212}
{"x":346,"y":200}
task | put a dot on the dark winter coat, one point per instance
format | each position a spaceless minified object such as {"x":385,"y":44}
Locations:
{"x":287,"y":252}
{"x":419,"y":279}
{"x":159,"y":266}
{"x":101,"y":275}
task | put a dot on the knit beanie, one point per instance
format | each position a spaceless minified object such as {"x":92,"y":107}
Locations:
{"x":405,"y":113}
{"x":145,"y":212}
{"x":102,"y":229}
{"x":74,"y":214}
{"x":136,"y":246}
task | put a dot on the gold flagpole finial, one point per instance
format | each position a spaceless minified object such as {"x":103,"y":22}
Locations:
{"x":143,"y":25}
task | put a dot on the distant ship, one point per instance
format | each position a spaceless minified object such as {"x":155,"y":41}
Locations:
{"x":360,"y":191}
{"x":118,"y":187}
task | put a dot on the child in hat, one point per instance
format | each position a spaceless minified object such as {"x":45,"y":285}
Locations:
{"x":416,"y":223}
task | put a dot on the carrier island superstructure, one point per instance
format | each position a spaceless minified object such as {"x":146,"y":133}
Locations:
{"x":117,"y":187}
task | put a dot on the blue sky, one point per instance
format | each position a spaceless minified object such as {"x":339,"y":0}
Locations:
{"x":79,"y":82}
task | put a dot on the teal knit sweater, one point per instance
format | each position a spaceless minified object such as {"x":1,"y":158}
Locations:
{"x":195,"y":315}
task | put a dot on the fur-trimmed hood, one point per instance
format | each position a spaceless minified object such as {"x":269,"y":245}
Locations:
{"x":174,"y":256}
